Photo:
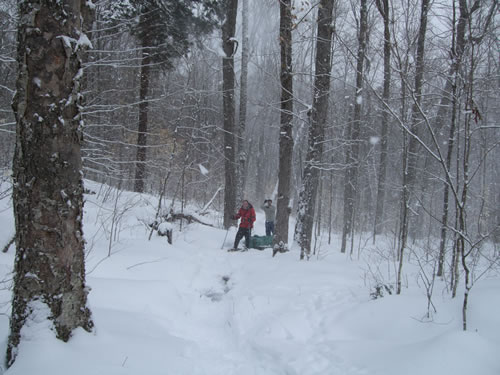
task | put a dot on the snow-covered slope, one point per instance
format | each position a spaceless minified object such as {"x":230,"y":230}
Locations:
{"x":193,"y":308}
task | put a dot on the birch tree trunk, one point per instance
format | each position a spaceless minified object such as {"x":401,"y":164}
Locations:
{"x":49,"y":273}
{"x":286,"y":118}
{"x":353,"y":134}
{"x":310,"y":182}
{"x":228,"y":45}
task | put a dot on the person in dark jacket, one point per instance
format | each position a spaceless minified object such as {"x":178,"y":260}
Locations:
{"x":247,"y":215}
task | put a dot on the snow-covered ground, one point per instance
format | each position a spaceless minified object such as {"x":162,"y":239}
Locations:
{"x":193,"y":308}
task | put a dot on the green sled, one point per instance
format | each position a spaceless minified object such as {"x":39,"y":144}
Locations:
{"x":261,"y":242}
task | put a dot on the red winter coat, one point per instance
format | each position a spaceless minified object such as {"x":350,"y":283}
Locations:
{"x":247,"y":216}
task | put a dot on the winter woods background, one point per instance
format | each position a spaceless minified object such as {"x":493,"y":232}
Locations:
{"x":410,"y":149}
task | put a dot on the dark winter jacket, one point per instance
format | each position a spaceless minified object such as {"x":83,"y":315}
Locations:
{"x":247,"y":217}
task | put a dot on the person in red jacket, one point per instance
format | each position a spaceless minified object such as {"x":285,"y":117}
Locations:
{"x":247,"y":215}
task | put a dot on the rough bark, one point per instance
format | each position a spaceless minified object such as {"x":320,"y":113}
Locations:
{"x":48,"y":188}
{"x":242,"y":157}
{"x":286,"y":118}
{"x":229,"y":46}
{"x":310,"y":182}
{"x":354,"y":131}
{"x":417,"y":98}
{"x":384,"y":9}
{"x":142,"y":130}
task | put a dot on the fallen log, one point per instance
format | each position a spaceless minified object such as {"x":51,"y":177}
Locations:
{"x":189,"y":218}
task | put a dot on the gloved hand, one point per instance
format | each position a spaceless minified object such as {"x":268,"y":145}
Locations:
{"x":249,"y":220}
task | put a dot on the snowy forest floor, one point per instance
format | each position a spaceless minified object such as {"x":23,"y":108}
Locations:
{"x":193,"y":308}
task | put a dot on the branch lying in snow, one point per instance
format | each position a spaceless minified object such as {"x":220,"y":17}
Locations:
{"x":142,"y":263}
{"x":165,"y":228}
{"x":172,"y":216}
{"x":190,"y":218}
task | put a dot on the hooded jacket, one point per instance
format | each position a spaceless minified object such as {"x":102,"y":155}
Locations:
{"x":247,"y":216}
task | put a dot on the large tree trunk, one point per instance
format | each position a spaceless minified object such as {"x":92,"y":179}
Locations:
{"x":242,"y":157}
{"x":384,"y":9}
{"x":286,"y":118}
{"x":352,"y":157}
{"x":142,"y":130}
{"x":48,"y":190}
{"x":410,"y":169}
{"x":228,"y":30}
{"x":310,"y":182}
